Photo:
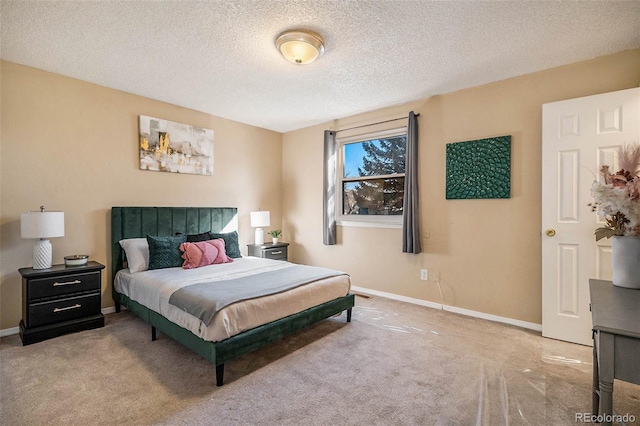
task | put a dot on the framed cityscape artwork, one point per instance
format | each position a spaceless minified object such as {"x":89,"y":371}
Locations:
{"x":166,"y":146}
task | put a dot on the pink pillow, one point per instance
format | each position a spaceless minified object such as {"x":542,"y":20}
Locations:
{"x":222,"y":252}
{"x":203,"y":253}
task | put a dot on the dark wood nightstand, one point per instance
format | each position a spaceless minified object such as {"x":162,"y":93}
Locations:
{"x":59,"y":300}
{"x":277,"y":251}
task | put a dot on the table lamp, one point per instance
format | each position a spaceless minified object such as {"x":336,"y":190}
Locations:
{"x":42,"y":225}
{"x":258,"y":220}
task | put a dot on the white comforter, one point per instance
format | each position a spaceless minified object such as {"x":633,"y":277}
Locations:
{"x":154,"y":288}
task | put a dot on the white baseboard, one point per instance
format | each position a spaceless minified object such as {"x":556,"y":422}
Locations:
{"x":462,"y":311}
{"x":16,"y":330}
{"x":9,"y":331}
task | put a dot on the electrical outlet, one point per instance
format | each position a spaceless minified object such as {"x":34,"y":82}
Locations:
{"x":424,"y":274}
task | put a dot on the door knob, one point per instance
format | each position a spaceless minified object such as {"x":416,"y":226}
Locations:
{"x":550,"y":232}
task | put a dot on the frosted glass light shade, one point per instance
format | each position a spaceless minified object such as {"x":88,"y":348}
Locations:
{"x":259,"y":219}
{"x":300,"y":46}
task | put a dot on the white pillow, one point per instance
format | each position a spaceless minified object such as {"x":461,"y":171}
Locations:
{"x":137,"y":250}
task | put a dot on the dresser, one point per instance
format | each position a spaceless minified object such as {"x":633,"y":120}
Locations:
{"x":615,"y":312}
{"x":61,"y":299}
{"x":278,"y":251}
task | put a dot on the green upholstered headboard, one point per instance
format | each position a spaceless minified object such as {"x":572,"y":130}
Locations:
{"x":138,"y":222}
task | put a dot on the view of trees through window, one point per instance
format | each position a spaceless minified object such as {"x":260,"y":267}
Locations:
{"x":373,"y":176}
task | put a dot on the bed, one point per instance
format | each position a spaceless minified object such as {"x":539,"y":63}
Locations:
{"x":216,"y":344}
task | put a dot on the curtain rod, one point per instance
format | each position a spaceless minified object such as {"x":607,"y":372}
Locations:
{"x":373,"y":124}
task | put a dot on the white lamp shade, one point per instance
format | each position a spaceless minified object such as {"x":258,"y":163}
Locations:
{"x":42,"y":224}
{"x":260,"y":219}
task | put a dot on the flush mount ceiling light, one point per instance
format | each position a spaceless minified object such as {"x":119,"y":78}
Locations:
{"x":300,"y":46}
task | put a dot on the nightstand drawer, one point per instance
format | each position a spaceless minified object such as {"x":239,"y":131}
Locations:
{"x":65,"y":284}
{"x":277,"y":253}
{"x":63,"y":310}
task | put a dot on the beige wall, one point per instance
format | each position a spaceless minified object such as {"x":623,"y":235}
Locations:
{"x":72,"y":146}
{"x":486,"y":251}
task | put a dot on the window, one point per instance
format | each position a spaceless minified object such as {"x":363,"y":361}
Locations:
{"x":371,"y":177}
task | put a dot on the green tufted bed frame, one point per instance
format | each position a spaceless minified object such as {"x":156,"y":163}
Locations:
{"x":138,"y":222}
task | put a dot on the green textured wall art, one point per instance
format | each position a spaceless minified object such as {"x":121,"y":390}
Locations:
{"x":479,"y":169}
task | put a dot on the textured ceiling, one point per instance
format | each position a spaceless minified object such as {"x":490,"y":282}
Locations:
{"x":219,"y":57}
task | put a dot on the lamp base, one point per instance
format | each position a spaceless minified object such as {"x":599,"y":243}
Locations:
{"x":259,"y":236}
{"x":42,"y":255}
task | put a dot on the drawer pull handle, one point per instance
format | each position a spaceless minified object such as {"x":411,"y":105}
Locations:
{"x":276,"y":252}
{"x":67,"y":283}
{"x":76,"y":306}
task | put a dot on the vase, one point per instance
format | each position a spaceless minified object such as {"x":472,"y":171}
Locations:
{"x":275,"y":240}
{"x":625,"y":261}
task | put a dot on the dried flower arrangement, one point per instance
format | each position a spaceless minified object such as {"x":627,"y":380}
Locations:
{"x":617,"y":197}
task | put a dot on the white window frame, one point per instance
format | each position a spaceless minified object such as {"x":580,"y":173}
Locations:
{"x":375,"y":221}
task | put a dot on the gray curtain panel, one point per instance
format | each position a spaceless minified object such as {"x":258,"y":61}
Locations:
{"x":330,"y":194}
{"x":410,"y":212}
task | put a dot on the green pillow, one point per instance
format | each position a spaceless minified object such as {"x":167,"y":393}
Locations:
{"x":164,"y":252}
{"x":231,"y":245}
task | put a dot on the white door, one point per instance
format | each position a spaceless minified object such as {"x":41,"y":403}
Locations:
{"x":578,"y":137}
